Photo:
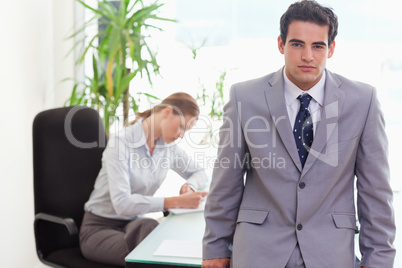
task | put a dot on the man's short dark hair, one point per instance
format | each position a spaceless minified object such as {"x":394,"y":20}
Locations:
{"x":310,"y":11}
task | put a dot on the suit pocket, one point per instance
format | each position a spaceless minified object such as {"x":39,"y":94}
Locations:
{"x":347,"y":221}
{"x":252,"y":216}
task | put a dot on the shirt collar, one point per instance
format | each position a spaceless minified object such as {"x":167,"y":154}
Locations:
{"x":292,"y":91}
{"x":137,"y":135}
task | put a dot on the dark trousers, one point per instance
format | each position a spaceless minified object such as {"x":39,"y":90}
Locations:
{"x":108,"y":240}
{"x":296,"y":259}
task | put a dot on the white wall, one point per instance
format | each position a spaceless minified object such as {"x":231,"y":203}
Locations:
{"x":32,"y":63}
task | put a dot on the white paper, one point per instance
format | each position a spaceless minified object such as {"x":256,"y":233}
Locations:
{"x":178,"y":211}
{"x":183,"y":249}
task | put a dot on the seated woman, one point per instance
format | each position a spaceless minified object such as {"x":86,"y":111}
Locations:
{"x":134,"y":165}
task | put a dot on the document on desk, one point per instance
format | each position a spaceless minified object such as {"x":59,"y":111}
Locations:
{"x":178,"y":211}
{"x":183,"y":249}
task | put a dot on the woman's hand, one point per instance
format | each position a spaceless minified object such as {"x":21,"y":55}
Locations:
{"x":191,"y":199}
{"x":188,"y":200}
{"x":186,"y":189}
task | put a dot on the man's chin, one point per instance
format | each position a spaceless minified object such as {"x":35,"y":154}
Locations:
{"x":307,"y":81}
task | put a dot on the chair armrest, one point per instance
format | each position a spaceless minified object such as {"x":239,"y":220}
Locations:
{"x":67,"y":222}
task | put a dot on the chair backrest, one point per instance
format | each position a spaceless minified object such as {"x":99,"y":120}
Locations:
{"x":67,"y":149}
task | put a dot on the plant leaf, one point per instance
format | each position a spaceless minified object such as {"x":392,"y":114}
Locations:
{"x":86,"y":49}
{"x":96,"y":11}
{"x":125,"y":83}
{"x":109,"y":76}
{"x":149,"y":95}
{"x":109,"y":11}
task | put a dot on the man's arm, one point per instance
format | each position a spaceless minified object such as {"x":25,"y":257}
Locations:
{"x":227,"y":185}
{"x":374,"y":196}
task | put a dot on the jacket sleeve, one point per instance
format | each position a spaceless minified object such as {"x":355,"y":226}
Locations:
{"x":227,"y":184}
{"x":374,"y":196}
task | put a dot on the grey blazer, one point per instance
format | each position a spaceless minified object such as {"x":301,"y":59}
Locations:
{"x":261,"y":202}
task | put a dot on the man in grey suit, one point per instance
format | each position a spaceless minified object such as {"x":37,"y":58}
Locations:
{"x":282,"y":192}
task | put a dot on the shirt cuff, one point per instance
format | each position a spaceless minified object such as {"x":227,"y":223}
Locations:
{"x":157,"y":204}
{"x":192,"y":187}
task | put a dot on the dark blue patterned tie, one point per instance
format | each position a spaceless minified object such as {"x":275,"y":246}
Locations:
{"x":303,"y":128}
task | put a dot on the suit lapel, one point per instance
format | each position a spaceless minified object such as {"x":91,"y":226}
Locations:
{"x":330,"y":113}
{"x":274,"y":96}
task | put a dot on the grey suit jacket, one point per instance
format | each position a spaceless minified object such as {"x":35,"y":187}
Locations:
{"x":261,"y":202}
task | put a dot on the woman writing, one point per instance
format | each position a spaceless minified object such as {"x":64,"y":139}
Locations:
{"x":134,"y":165}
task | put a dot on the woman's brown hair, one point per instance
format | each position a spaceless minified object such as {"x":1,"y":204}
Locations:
{"x":181,"y":102}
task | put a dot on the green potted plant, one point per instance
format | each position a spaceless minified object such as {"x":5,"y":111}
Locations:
{"x":125,"y":39}
{"x":210,"y":99}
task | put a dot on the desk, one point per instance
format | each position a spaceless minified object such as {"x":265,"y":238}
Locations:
{"x":185,"y":227}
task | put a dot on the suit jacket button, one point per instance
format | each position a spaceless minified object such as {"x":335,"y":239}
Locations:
{"x":299,"y":227}
{"x":302,"y":185}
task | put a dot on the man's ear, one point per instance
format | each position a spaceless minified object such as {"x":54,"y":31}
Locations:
{"x":281,"y":45}
{"x":331,"y":49}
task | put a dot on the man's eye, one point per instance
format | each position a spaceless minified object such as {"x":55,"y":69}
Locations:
{"x":296,"y":45}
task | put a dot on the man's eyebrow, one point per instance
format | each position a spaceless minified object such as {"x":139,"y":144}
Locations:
{"x":302,"y":42}
{"x":320,"y":43}
{"x":296,"y":41}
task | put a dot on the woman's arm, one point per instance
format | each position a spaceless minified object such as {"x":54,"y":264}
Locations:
{"x":187,"y":168}
{"x":187,"y":200}
{"x":128,"y":198}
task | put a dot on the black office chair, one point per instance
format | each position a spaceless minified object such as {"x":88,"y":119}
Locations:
{"x":67,"y":149}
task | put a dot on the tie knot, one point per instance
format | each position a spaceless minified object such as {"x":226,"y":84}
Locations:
{"x":304,"y":101}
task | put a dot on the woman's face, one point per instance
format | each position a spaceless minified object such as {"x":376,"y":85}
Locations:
{"x":174,"y":126}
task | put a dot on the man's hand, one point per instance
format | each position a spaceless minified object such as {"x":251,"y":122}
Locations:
{"x":216,"y":263}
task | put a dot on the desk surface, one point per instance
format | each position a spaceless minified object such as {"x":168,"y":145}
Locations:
{"x":185,"y":227}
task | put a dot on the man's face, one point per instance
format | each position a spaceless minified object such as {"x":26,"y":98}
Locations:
{"x":306,"y":52}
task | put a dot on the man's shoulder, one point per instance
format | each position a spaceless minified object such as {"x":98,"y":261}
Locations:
{"x":350,"y":83}
{"x":255,"y":85}
{"x":263,"y":80}
{"x":352,"y":89}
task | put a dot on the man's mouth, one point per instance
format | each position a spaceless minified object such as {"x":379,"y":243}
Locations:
{"x":306,"y":67}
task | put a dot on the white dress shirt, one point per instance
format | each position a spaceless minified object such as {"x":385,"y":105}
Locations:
{"x":292,"y":91}
{"x":130,"y":175}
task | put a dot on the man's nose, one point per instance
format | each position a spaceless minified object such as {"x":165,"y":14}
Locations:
{"x":307,"y":54}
